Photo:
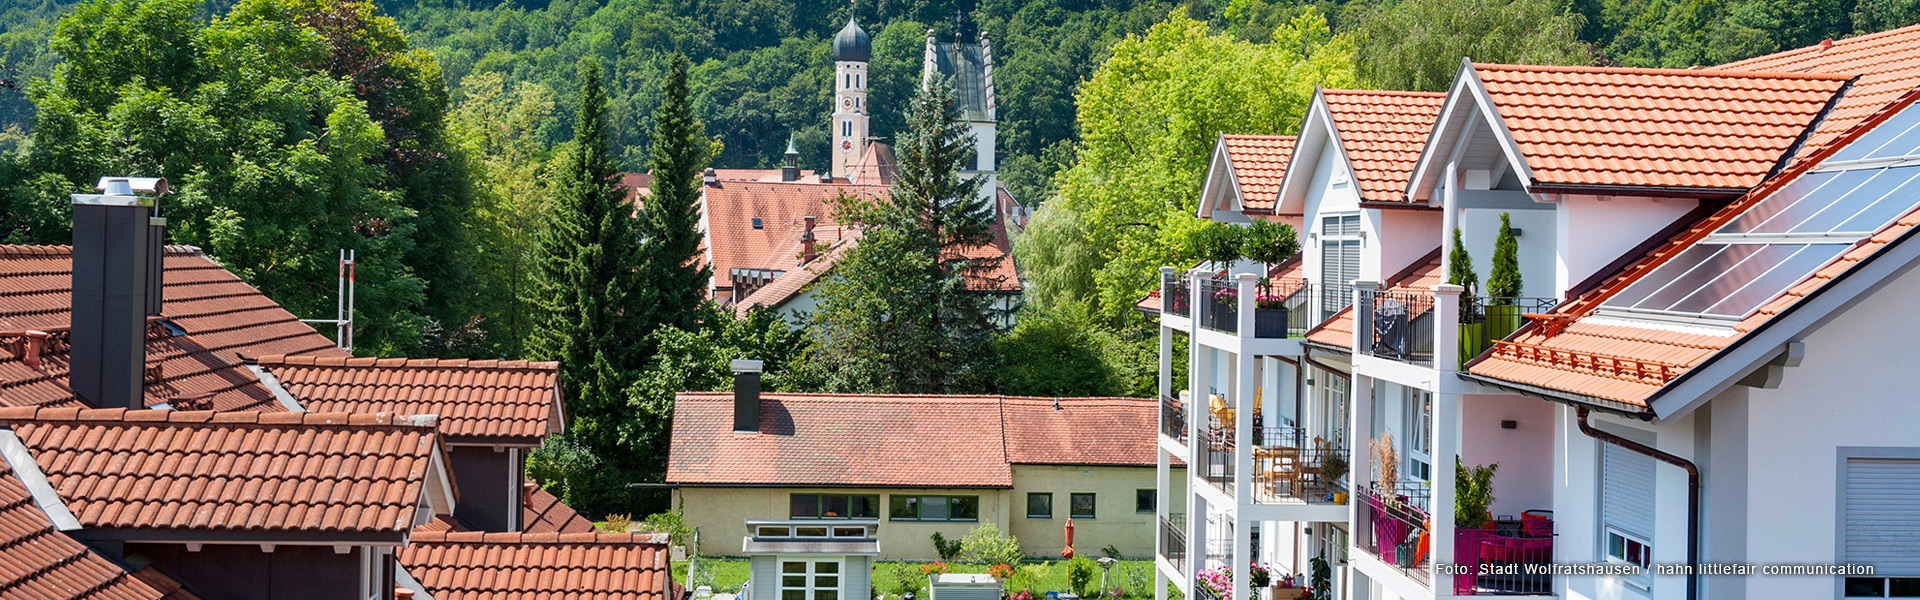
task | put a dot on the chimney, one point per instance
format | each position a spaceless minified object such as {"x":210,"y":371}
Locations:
{"x":746,"y":396}
{"x":807,"y":251}
{"x":527,"y":488}
{"x":709,"y":178}
{"x":34,"y":346}
{"x":118,"y":244}
{"x":790,"y":170}
{"x":1825,"y":45}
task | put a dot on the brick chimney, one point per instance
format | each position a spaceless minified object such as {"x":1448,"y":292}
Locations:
{"x":807,"y":250}
{"x":118,"y":248}
{"x":746,"y":396}
{"x":709,"y":178}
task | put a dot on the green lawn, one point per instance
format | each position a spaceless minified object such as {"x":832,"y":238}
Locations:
{"x":1134,"y":576}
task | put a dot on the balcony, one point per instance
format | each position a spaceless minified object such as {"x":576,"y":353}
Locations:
{"x":1291,"y":468}
{"x":1505,"y":557}
{"x":1173,"y":419}
{"x":1484,"y":320}
{"x":1173,"y":542}
{"x":1176,"y":297}
{"x":1219,"y":306}
{"x":1216,"y":459}
{"x":1397,"y":325}
{"x":1393,"y":525}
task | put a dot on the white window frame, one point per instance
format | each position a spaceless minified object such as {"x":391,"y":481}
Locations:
{"x":1327,"y":236}
{"x":1643,"y":580}
{"x":1418,"y":414}
{"x":812,"y":576}
{"x":1332,"y":406}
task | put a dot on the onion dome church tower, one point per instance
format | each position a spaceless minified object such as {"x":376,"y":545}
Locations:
{"x":851,"y":51}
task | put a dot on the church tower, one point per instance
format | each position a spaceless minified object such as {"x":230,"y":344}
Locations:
{"x":851,"y":50}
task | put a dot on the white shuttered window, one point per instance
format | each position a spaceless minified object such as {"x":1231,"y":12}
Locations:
{"x":1626,"y":507}
{"x":1882,"y":516}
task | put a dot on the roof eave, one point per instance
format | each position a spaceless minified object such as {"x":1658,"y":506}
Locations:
{"x":1644,"y":191}
{"x":1625,"y":409}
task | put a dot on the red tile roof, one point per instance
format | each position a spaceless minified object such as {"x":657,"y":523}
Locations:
{"x":499,"y":566}
{"x":170,"y":589}
{"x":510,"y":401}
{"x":790,"y":285}
{"x":1337,"y":331}
{"x":1258,"y":162}
{"x":1383,"y":132}
{"x":826,"y":439}
{"x":1669,"y":128}
{"x":543,"y":512}
{"x":38,"y":562}
{"x":731,"y":208}
{"x":1888,"y":63}
{"x":222,"y":317}
{"x":206,"y":471}
{"x":1619,"y":360}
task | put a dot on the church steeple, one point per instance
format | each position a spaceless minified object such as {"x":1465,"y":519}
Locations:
{"x":851,"y":50}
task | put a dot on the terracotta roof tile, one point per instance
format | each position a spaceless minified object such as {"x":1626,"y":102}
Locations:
{"x":1337,"y":331}
{"x":515,"y":400}
{"x":542,"y":512}
{"x":1628,"y":362}
{"x":1714,"y":130}
{"x":1888,"y":63}
{"x":205,"y":471}
{"x":37,"y":562}
{"x":490,"y":566}
{"x":221,"y":315}
{"x":731,"y":208}
{"x":171,"y":589}
{"x":1259,"y":162}
{"x":791,"y":284}
{"x":826,"y":439}
{"x":1383,"y":133}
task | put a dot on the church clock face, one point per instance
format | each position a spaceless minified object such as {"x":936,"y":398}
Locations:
{"x":846,"y":146}
{"x":846,"y":102}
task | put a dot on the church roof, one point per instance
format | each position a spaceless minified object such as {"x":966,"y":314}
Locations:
{"x":965,"y":66}
{"x":852,"y":44}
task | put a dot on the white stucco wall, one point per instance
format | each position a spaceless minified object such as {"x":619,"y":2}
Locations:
{"x":1592,"y":232}
{"x":1402,"y":236}
{"x":1480,"y":229}
{"x":1524,"y":480}
{"x":1576,"y":503}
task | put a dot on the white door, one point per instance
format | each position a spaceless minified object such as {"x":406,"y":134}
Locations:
{"x":809,"y":579}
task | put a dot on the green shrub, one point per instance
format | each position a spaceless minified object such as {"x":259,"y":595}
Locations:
{"x":946,"y":549}
{"x":985,"y":545}
{"x":1504,"y":280}
{"x":907,"y":579}
{"x":1080,"y":573}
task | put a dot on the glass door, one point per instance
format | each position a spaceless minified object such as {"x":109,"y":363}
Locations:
{"x":804,"y":579}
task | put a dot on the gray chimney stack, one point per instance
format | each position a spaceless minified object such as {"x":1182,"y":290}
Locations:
{"x":118,"y":248}
{"x":746,"y":396}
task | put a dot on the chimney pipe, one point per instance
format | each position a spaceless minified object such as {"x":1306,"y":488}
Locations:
{"x":807,"y":250}
{"x":709,"y":178}
{"x":35,"y":347}
{"x":116,"y":285}
{"x":746,"y":396}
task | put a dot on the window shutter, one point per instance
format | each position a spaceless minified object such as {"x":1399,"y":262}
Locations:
{"x":1626,"y":490}
{"x":1882,"y":517}
{"x":1287,"y":390}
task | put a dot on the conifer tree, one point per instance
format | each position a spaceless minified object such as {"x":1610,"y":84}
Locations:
{"x":584,"y":288}
{"x":1504,"y":280}
{"x":1460,"y":266}
{"x":672,"y":273}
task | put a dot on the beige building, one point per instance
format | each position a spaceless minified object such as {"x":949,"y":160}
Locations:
{"x":921,"y":465}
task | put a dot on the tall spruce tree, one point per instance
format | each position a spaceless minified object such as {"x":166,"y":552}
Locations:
{"x":585,"y":290}
{"x":1460,"y":266}
{"x":1504,"y":280}
{"x":672,"y":274}
{"x":901,"y":313}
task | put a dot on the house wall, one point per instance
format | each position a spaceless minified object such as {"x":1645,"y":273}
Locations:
{"x":1576,"y":503}
{"x":1115,"y":522}
{"x":1524,"y":479}
{"x":1326,"y":198}
{"x":489,"y":483}
{"x":245,"y":572}
{"x":1480,"y":229}
{"x":720,"y":515}
{"x":1592,"y":232}
{"x":1401,"y":237}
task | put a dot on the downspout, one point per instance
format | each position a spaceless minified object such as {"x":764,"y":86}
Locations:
{"x":1693,"y":492}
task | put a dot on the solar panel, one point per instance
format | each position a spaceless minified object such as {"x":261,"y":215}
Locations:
{"x":1898,"y":137}
{"x":1838,"y":202}
{"x":1725,"y":280}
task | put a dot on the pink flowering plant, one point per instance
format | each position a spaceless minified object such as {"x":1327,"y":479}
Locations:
{"x":1219,"y":580}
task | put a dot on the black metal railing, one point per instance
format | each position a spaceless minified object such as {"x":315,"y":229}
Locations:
{"x":1483,"y":320}
{"x":1505,"y":557}
{"x":1176,"y":297}
{"x":1330,"y":300}
{"x":1216,"y":459}
{"x":1173,"y":541}
{"x":1173,"y":418}
{"x":1219,"y":308}
{"x":1399,"y":325}
{"x":1282,"y":308}
{"x":1289,"y":466}
{"x":1392,"y":526}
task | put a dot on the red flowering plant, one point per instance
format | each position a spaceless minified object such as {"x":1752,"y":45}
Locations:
{"x":1000,"y":572}
{"x":937,"y":567}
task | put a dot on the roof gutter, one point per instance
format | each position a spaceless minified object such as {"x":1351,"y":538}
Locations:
{"x":1647,"y":191}
{"x":1580,"y":401}
{"x":1693,"y":491}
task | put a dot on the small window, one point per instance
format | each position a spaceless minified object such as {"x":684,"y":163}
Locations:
{"x":774,"y":532}
{"x":758,"y":224}
{"x":1082,"y":506}
{"x":934,"y":508}
{"x":1039,"y":505}
{"x":1629,"y":549}
{"x":1145,"y":501}
{"x":834,"y":506}
{"x":1883,"y":587}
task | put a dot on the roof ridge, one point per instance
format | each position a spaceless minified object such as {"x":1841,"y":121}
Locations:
{"x":63,"y":250}
{"x":402,"y":362}
{"x":1813,"y":50}
{"x":44,"y":414}
{"x":1720,"y":73}
{"x":523,"y":537}
{"x":1406,"y":93}
{"x":1257,"y":136}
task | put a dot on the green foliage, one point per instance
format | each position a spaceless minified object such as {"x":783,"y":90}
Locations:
{"x":1320,"y":576}
{"x":1418,"y":44}
{"x":1080,"y":573}
{"x":1056,"y":352}
{"x":984,"y":545}
{"x":948,"y":550}
{"x":1472,"y":493}
{"x":1111,"y":551}
{"x":577,"y":474}
{"x":671,"y":523}
{"x":1268,"y":242}
{"x":907,"y":579}
{"x":1503,"y":281}
{"x":1460,"y":266}
{"x":898,"y":314}
{"x":673,"y":272}
{"x":1219,"y":243}
{"x":501,"y":131}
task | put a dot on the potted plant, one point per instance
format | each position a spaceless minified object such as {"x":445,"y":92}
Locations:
{"x":1332,"y":468}
{"x":1460,"y":273}
{"x":1504,"y":283}
{"x":1269,"y":243}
